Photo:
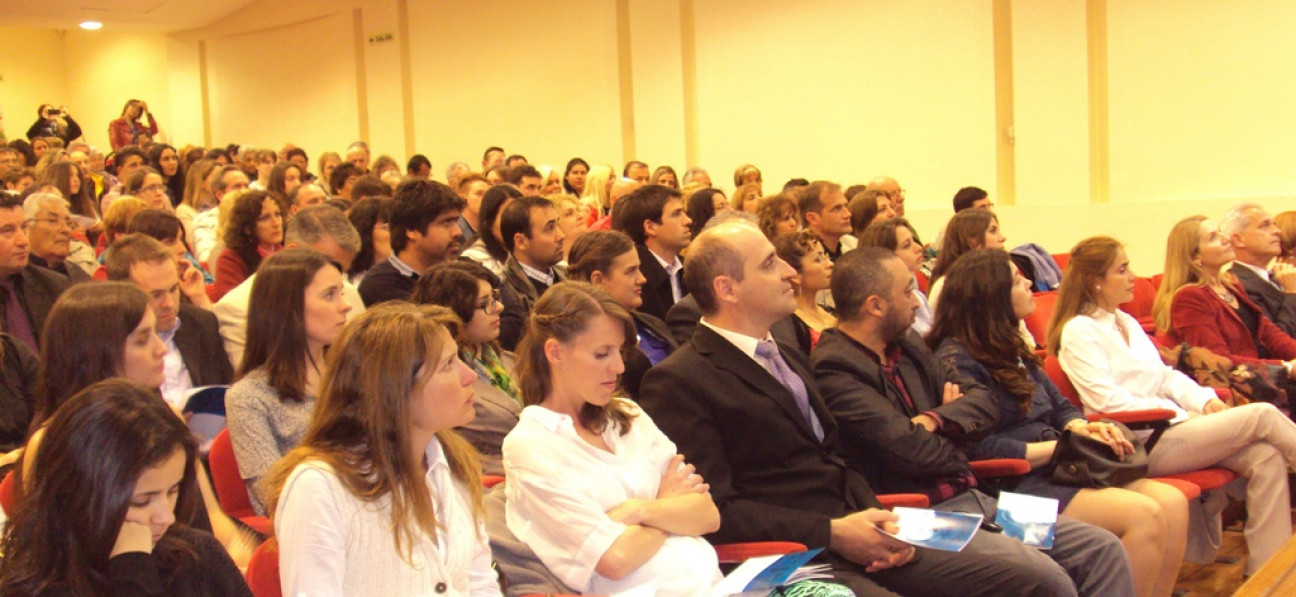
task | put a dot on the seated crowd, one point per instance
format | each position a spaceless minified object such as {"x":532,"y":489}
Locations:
{"x":534,"y":380}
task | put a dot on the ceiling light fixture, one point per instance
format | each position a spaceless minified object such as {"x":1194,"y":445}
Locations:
{"x":92,"y":25}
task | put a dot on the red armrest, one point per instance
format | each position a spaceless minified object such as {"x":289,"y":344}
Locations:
{"x":905,"y":500}
{"x":736,"y":553}
{"x":259,"y":524}
{"x":1134,"y":417}
{"x":1224,"y":394}
{"x":489,"y":481}
{"x":1000,"y":467}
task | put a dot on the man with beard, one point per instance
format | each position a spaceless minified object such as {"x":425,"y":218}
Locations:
{"x":902,"y":418}
{"x":529,"y":228}
{"x":424,"y":232}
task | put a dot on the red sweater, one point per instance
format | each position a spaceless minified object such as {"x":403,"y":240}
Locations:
{"x":1201,"y":319}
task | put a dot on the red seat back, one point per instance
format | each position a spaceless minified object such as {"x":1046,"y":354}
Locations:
{"x":1062,"y":260}
{"x":1037,"y":322}
{"x":231,"y":490}
{"x":923,"y":282}
{"x":263,"y":570}
{"x":1053,"y":369}
{"x":1140,"y":307}
{"x":7,"y":496}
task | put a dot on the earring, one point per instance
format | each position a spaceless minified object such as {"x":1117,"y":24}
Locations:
{"x":1099,"y":288}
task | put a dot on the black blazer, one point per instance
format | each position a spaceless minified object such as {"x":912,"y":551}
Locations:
{"x":657,"y":296}
{"x":638,"y":363}
{"x":18,"y":366}
{"x":897,"y":455}
{"x":683,"y":318}
{"x":769,"y":475}
{"x":37,"y":288}
{"x":1277,"y":304}
{"x":201,"y":348}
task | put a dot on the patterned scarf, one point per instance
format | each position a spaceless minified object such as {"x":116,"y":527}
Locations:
{"x":491,"y":367}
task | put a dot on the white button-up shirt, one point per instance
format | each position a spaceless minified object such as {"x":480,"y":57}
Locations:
{"x":1112,"y":376}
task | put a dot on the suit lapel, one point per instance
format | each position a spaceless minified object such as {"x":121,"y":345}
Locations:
{"x":724,"y":355}
{"x":188,"y":340}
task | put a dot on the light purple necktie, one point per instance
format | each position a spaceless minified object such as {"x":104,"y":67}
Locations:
{"x":768,"y":352}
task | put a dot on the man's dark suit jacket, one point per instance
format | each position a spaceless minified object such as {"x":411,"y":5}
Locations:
{"x":73,"y":272}
{"x":897,"y":455}
{"x":657,"y":296}
{"x":1278,"y":305}
{"x":770,"y":477}
{"x":37,"y":288}
{"x":201,"y":347}
{"x":683,"y":318}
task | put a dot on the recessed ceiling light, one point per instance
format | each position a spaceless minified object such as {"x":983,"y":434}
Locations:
{"x":92,"y":25}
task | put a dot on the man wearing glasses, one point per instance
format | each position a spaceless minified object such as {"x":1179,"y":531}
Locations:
{"x":27,"y":292}
{"x":49,"y":230}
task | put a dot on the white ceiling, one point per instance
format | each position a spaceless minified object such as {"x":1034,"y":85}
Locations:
{"x":154,"y":16}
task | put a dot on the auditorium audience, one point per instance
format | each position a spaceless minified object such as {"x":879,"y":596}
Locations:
{"x":824,"y":212}
{"x":72,"y":184}
{"x":54,"y":122}
{"x":574,"y":176}
{"x":778,"y":214}
{"x":892,"y":190}
{"x":609,"y":261}
{"x":595,"y":194}
{"x":28,"y":291}
{"x":701,"y":206}
{"x":295,"y":311}
{"x":803,"y":251}
{"x":147,"y":184}
{"x":747,"y":197}
{"x":124,"y":130}
{"x":204,"y":235}
{"x":471,"y":295}
{"x":1200,"y":304}
{"x":665,"y":176}
{"x":49,"y":233}
{"x":304,"y":195}
{"x":382,"y":497}
{"x":254,"y":232}
{"x":976,"y":336}
{"x":108,"y":507}
{"x":328,"y":162}
{"x":164,"y":159}
{"x":198,"y":194}
{"x":749,"y":416}
{"x":1116,"y":368}
{"x":527,"y":179}
{"x":529,"y":228}
{"x":488,"y":249}
{"x":424,"y":229}
{"x":967,"y":230}
{"x":101,"y":330}
{"x":654,"y":217}
{"x":166,"y":228}
{"x":867,"y":208}
{"x":371,"y":218}
{"x":194,"y":355}
{"x":321,"y":228}
{"x":594,"y":488}
{"x":472,"y":188}
{"x":898,"y":236}
{"x":1257,"y":244}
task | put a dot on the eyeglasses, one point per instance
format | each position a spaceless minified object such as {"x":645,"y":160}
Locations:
{"x":155,"y":188}
{"x":53,"y":221}
{"x":491,"y":304}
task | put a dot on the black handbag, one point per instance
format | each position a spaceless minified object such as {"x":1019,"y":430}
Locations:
{"x":1081,"y":461}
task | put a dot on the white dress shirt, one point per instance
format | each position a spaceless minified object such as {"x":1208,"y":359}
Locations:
{"x":176,"y":381}
{"x":672,"y":268}
{"x":333,"y":543}
{"x":560,"y":488}
{"x":1112,"y":376}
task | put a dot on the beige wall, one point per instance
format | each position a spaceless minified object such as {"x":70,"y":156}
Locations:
{"x":1197,"y":119}
{"x":34,"y":80}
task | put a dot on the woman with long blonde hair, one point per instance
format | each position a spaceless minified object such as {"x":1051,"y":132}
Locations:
{"x":382,"y":497}
{"x":1203,"y":305}
{"x":596,"y":195}
{"x":1115,"y":368}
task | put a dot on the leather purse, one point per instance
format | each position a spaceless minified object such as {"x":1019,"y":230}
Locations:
{"x":1081,"y":461}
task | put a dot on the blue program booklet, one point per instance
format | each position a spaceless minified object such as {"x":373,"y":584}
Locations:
{"x":934,"y":529}
{"x":758,"y":576}
{"x":1027,"y":518}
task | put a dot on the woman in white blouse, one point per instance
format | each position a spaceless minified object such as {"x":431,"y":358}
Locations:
{"x":1115,"y":367}
{"x":594,"y":488}
{"x":382,"y":497}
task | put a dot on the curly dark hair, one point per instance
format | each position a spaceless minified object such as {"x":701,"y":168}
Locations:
{"x":240,"y":233}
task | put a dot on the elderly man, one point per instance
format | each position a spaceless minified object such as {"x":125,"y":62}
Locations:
{"x":695,"y":175}
{"x":1256,"y":242}
{"x":49,"y":228}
